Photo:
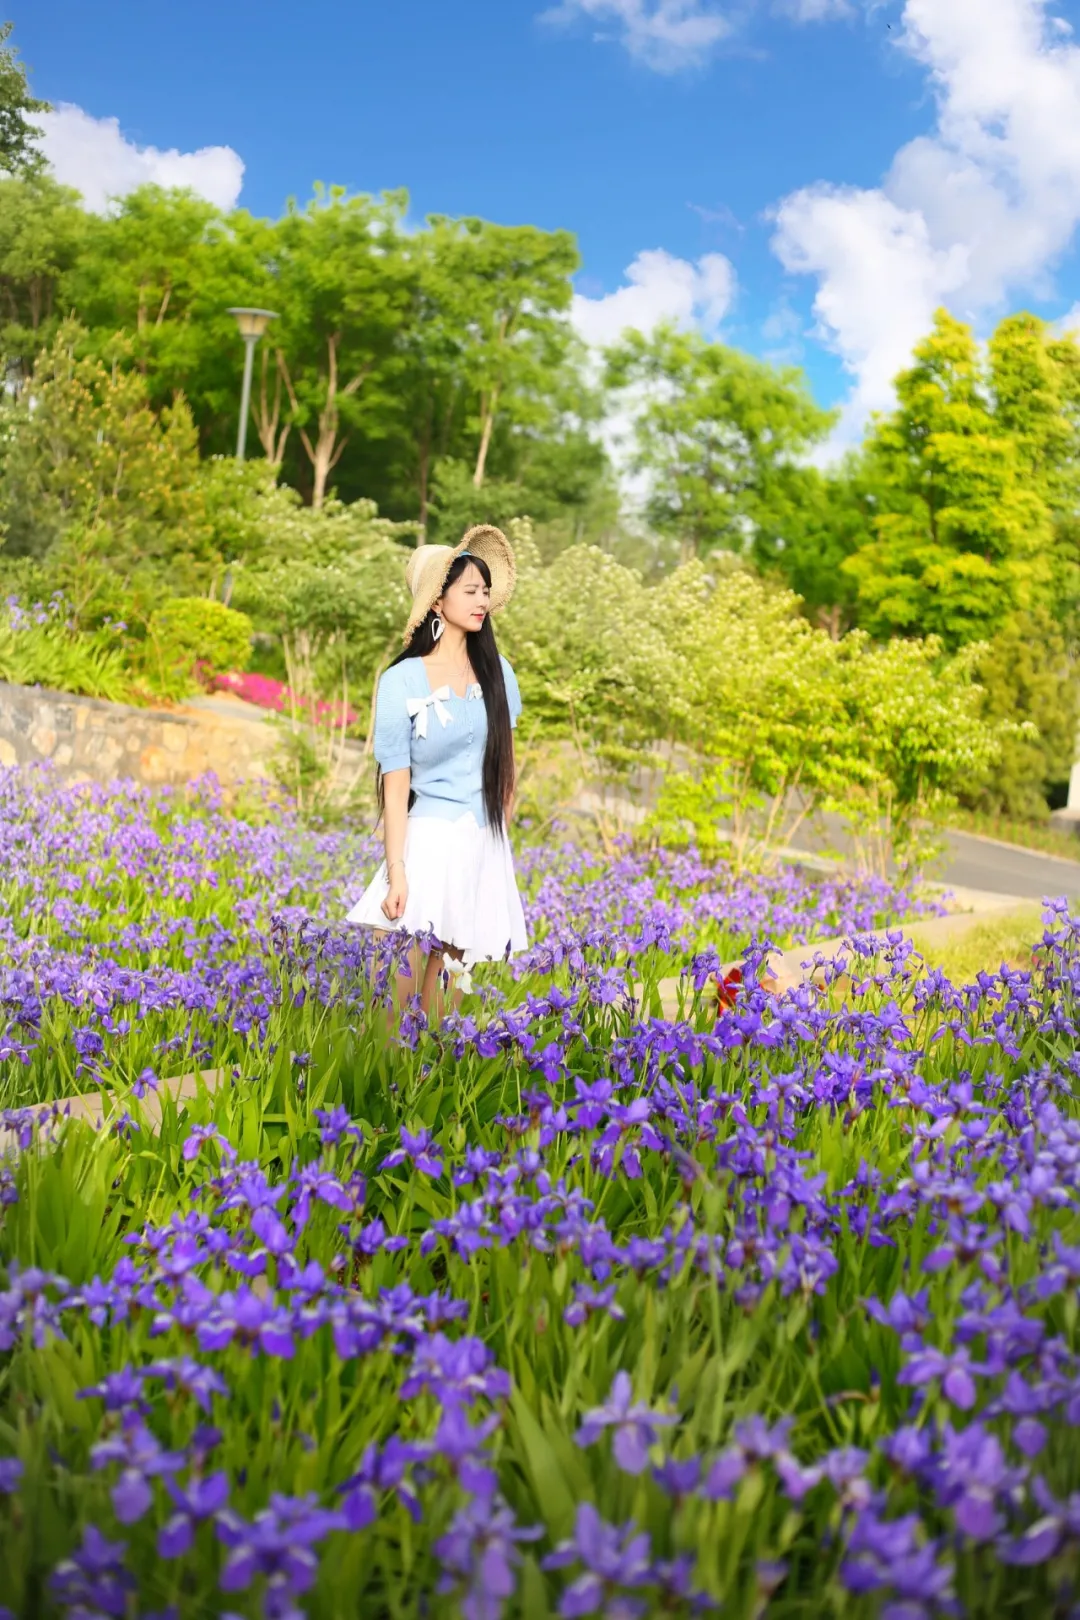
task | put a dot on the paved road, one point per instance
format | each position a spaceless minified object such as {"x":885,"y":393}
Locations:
{"x":977,"y":863}
{"x":980,"y":863}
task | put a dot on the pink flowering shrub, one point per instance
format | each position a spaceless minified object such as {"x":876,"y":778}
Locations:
{"x":267,"y":693}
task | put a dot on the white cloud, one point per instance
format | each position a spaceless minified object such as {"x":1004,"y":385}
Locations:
{"x":659,"y":287}
{"x":970,"y":215}
{"x":808,"y":11}
{"x":92,"y":155}
{"x":667,"y":35}
{"x":671,"y":35}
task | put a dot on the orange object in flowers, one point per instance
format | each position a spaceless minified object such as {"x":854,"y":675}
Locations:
{"x":727,"y":988}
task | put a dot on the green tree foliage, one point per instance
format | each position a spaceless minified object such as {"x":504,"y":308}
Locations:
{"x":721,"y":437}
{"x":343,"y":277}
{"x":96,"y":484}
{"x":1034,"y":378}
{"x":43,"y":232}
{"x":162,"y":269}
{"x":831,"y":520}
{"x":330,"y":582}
{"x":19,"y":151}
{"x":508,"y":290}
{"x":961,"y":537}
{"x":431,"y":373}
{"x":754,"y":718}
{"x":395,"y":350}
{"x":1027,"y":675}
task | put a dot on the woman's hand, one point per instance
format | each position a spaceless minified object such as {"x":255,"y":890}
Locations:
{"x":397,"y":894}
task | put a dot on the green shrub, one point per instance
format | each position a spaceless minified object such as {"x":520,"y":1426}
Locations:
{"x":41,"y":649}
{"x":192,"y":630}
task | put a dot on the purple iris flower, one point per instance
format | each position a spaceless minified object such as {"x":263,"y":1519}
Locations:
{"x":678,"y":1478}
{"x":120,"y":1391}
{"x":479,"y":1554}
{"x":93,"y":1580}
{"x":888,"y":1556}
{"x":1059,"y":1523}
{"x":199,"y":1136}
{"x":611,"y":1557}
{"x":199,"y":1499}
{"x":424,"y":1154}
{"x":636,"y":1426}
{"x":588,"y":1301}
{"x":202,"y":1383}
{"x":971,"y":1476}
{"x":387,"y":1470}
{"x":142,"y":1458}
{"x":954,"y":1373}
{"x":277,"y":1544}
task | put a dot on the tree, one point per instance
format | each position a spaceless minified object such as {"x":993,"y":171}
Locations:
{"x":163,"y":269}
{"x":506,"y":290}
{"x":721,"y":437}
{"x":19,"y":153}
{"x":42,"y":234}
{"x":961,"y":537}
{"x":343,"y":276}
{"x":1034,"y":379}
{"x":829,"y":523}
{"x":1027,"y":675}
{"x":98,"y":484}
{"x":329,"y":582}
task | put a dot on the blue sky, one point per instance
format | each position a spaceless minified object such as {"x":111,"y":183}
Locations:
{"x":806,"y":177}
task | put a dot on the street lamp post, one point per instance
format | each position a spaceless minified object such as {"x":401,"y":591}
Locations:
{"x":252,"y":324}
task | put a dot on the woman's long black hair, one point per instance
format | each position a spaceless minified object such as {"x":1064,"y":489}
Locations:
{"x":498,"y":778}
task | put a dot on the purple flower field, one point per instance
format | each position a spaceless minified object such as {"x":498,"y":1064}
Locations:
{"x":563,"y":1308}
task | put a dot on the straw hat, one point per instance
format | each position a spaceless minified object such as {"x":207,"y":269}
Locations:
{"x":427,"y":568}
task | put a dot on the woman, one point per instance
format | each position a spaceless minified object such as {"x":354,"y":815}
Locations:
{"x":443,"y":742}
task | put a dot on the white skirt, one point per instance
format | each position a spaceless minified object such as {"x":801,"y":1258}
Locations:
{"x":461,"y":889}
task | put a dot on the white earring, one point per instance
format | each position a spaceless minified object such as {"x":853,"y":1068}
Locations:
{"x":436,"y":628}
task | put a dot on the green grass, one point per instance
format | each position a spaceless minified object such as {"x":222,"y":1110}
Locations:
{"x":1041,"y":836}
{"x":1005,"y":938}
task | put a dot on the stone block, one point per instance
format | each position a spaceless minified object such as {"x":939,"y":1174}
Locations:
{"x":43,"y":740}
{"x":174,"y":738}
{"x":104,"y":754}
{"x":8,"y":756}
{"x":155,"y":765}
{"x":64,"y":754}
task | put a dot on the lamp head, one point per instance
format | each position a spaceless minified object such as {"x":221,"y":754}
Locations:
{"x":253,"y":322}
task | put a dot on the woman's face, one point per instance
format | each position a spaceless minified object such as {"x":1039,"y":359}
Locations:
{"x":465,"y":604}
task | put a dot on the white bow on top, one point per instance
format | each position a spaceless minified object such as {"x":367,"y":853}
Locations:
{"x":418,"y":709}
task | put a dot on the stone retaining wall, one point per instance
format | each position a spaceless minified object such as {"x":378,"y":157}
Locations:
{"x":87,"y":739}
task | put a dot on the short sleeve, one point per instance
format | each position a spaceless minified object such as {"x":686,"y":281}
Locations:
{"x":393,"y":728}
{"x":513,"y":691}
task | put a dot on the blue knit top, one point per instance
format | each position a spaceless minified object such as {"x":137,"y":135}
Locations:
{"x":437,"y":736}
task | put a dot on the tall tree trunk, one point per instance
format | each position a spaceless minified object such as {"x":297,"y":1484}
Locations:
{"x":325,"y":451}
{"x":273,"y":436}
{"x":488,"y":408}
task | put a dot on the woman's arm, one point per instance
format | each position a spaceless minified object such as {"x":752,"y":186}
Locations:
{"x":395,"y":816}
